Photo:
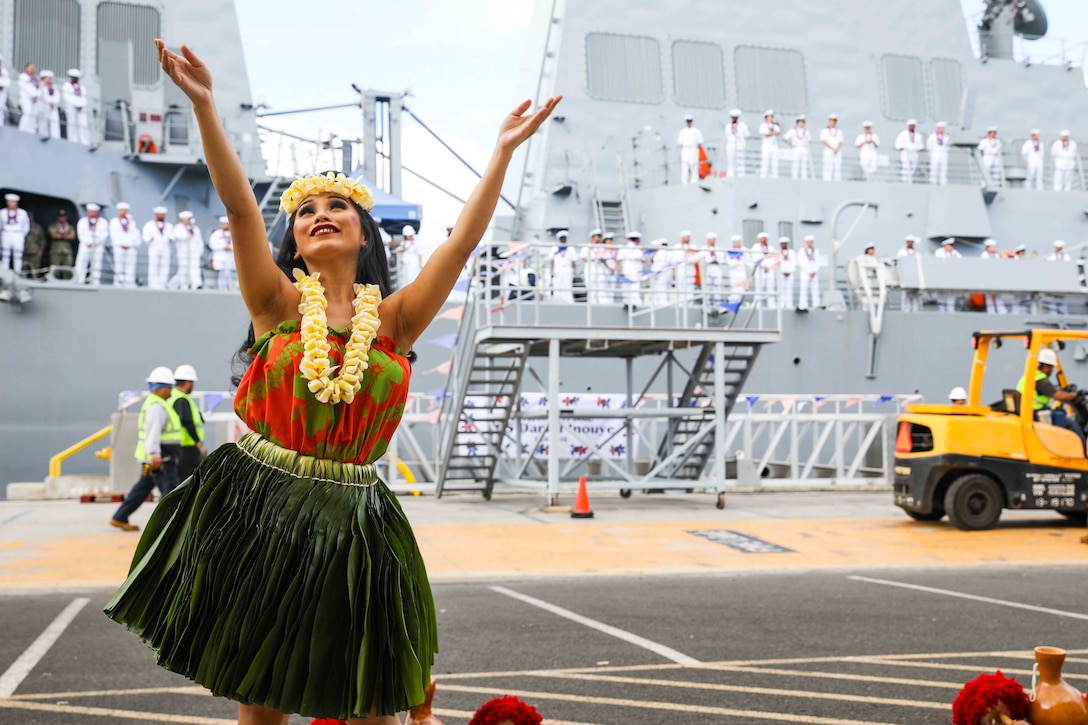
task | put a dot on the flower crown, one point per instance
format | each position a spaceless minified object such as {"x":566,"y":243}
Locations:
{"x":332,"y":183}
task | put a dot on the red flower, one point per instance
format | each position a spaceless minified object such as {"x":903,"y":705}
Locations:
{"x":506,"y":708}
{"x":327,"y":721}
{"x":986,"y":692}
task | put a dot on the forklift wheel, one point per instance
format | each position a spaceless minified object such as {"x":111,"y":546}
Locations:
{"x":974,"y":502}
{"x":625,"y":493}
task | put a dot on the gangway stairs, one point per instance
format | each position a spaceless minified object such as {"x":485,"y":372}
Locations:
{"x":270,"y":206}
{"x":697,"y":433}
{"x":612,"y":216}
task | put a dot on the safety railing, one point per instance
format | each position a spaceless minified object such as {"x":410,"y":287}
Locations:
{"x":56,"y":463}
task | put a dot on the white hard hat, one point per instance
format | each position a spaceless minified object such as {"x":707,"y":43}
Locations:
{"x":735,"y":112}
{"x":408,"y":231}
{"x":185,"y":214}
{"x":990,"y":243}
{"x":1048,"y":357}
{"x":711,"y":235}
{"x":161,"y":375}
{"x":1059,"y":244}
{"x":123,"y":206}
{"x":912,"y":122}
{"x":224,"y":220}
{"x":957,"y":393}
{"x":159,"y":210}
{"x":47,"y":74}
{"x":1064,"y":132}
{"x":93,"y":207}
{"x":594,"y":232}
{"x":11,"y":197}
{"x":74,"y":73}
{"x":185,"y":372}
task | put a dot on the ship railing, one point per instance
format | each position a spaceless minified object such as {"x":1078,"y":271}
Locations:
{"x":288,"y":154}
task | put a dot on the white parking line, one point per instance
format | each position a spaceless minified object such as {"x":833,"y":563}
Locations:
{"x":660,"y":649}
{"x":972,"y":597}
{"x":20,"y":668}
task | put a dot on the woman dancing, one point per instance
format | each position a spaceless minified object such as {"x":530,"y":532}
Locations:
{"x":283,"y":574}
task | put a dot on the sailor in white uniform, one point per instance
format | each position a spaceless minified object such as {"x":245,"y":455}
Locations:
{"x":808,"y":273}
{"x":909,"y":143}
{"x":410,"y":262}
{"x":737,"y":260}
{"x":159,"y":237}
{"x":1033,"y":153}
{"x":911,"y":299}
{"x":563,"y":260}
{"x":663,"y":271}
{"x":995,"y":305}
{"x":629,"y":260}
{"x":787,"y":267}
{"x":49,"y":106}
{"x":736,"y":140}
{"x":768,"y":151}
{"x":125,"y":242}
{"x":5,"y":83}
{"x":93,"y":233}
{"x":800,"y":142}
{"x":938,"y":145}
{"x":28,"y":99}
{"x":74,"y":96}
{"x":867,"y":143}
{"x":990,"y":148}
{"x":1021,"y":302}
{"x":714,"y":279}
{"x":1056,"y":304}
{"x":685,"y":259}
{"x":832,"y":140}
{"x":946,"y":301}
{"x":222,"y":246}
{"x":14,"y":226}
{"x":764,"y":261}
{"x":189,"y":244}
{"x":689,"y":141}
{"x":595,"y":261}
{"x":1064,"y":153}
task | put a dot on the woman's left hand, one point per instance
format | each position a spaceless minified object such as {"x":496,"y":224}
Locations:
{"x":517,"y":126}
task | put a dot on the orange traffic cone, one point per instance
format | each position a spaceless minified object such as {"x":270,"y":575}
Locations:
{"x":581,"y":508}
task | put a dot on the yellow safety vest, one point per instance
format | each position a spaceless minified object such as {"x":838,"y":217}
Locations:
{"x":198,"y":420}
{"x":1041,"y":401}
{"x":171,"y":432}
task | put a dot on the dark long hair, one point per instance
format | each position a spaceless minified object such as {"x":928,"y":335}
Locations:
{"x":371,"y":267}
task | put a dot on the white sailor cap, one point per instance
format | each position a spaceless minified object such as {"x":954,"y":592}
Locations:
{"x":1021,"y":248}
{"x":47,"y":74}
{"x":736,"y":238}
{"x":608,"y":235}
{"x":1035,"y":132}
{"x":562,"y":234}
{"x":1064,"y":132}
{"x":870,"y":245}
{"x":768,"y":112}
{"x":123,"y":206}
{"x":990,"y":243}
{"x":662,"y":242}
{"x":912,"y":122}
{"x":74,"y":73}
{"x":991,"y":129}
{"x":832,"y":117}
{"x":408,"y":231}
{"x":685,"y":233}
{"x":867,"y":124}
{"x":735,"y":112}
{"x":185,"y":214}
{"x":159,"y":210}
{"x":948,"y":242}
{"x":633,"y":235}
{"x":93,"y":207}
{"x":11,"y":197}
{"x":763,"y":235}
{"x":594,"y":232}
{"x":689,"y":117}
{"x":941,"y":124}
{"x":810,"y":238}
{"x":1059,"y":244}
{"x":783,"y":240}
{"x":912,"y":238}
{"x":801,"y":117}
{"x":711,"y":235}
{"x":224,"y":220}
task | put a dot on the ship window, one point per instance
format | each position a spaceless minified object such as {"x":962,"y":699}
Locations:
{"x":770,"y":78}
{"x":47,"y":35}
{"x":750,"y":229}
{"x":947,"y":83}
{"x":137,"y":25}
{"x":785,"y":229}
{"x":698,"y":74}
{"x":623,"y":68}
{"x":904,"y":87}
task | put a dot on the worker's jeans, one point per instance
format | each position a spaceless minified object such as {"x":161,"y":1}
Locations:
{"x":1062,"y":419}
{"x":165,"y":479}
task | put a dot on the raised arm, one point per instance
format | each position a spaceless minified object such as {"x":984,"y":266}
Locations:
{"x":415,"y":305}
{"x":264,"y":287}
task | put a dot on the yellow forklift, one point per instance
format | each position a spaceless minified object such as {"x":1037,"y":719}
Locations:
{"x":971,"y":461}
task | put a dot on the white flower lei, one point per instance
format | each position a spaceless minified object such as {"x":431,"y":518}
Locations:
{"x":315,"y":365}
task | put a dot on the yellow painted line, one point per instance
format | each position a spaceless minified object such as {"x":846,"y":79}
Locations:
{"x":7,"y":703}
{"x":774,"y":692}
{"x":666,"y":706}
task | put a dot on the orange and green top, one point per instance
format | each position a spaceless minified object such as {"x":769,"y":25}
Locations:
{"x":273,"y":399}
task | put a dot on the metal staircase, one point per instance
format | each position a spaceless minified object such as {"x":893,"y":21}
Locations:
{"x":698,"y":393}
{"x":270,"y":207}
{"x":612,"y":216}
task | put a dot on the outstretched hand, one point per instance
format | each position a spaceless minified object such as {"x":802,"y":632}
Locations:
{"x":517,"y":127}
{"x":187,"y":71}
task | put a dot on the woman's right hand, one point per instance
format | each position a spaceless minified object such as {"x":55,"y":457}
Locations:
{"x":187,"y":71}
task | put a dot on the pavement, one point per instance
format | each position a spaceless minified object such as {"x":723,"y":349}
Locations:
{"x":827,"y":608}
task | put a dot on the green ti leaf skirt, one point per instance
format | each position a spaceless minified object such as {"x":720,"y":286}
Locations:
{"x":287,"y":581}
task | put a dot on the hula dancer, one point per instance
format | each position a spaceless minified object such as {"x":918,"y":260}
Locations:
{"x":283,"y":574}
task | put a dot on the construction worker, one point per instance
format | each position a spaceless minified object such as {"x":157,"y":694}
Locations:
{"x":990,"y":149}
{"x":159,"y":237}
{"x":808,"y":270}
{"x":946,"y":301}
{"x":832,"y":140}
{"x":800,"y":141}
{"x":938,"y":145}
{"x":190,"y":248}
{"x":713,"y":280}
{"x":630,"y":260}
{"x":74,"y":96}
{"x":1046,"y":392}
{"x":1056,"y":304}
{"x":190,"y":419}
{"x":689,"y":141}
{"x":768,"y":152}
{"x":957,"y":396}
{"x":911,"y":300}
{"x":125,"y":240}
{"x":787,"y":266}
{"x":764,"y":262}
{"x":563,"y":261}
{"x":14,"y":226}
{"x":158,"y":447}
{"x":736,"y":139}
{"x":994,"y":303}
{"x":93,"y":232}
{"x":867,"y":143}
{"x":1033,"y":153}
{"x":1064,"y":153}
{"x":909,"y":143}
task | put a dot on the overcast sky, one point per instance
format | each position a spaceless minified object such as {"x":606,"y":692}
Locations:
{"x":460,"y":58}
